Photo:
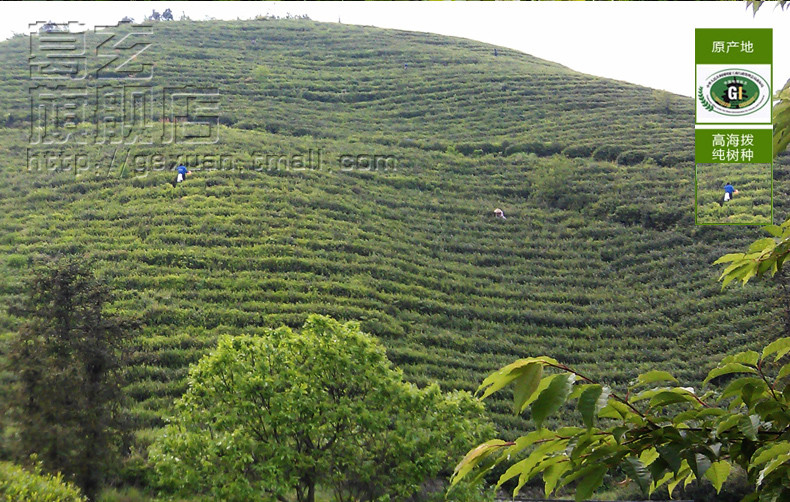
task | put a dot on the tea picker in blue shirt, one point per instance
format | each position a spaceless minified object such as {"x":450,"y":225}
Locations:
{"x":729,"y":192}
{"x":182,"y":174}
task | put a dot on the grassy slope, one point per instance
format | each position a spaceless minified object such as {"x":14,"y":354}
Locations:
{"x":591,"y":266}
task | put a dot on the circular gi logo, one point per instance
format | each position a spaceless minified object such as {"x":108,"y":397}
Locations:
{"x":734,"y":92}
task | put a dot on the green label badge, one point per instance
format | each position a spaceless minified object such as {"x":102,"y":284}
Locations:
{"x":734,"y":92}
{"x":731,"y":146}
{"x":734,"y":46}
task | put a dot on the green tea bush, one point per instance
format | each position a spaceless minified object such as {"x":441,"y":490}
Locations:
{"x":580,"y":151}
{"x":18,"y":484}
{"x":631,"y":158}
{"x":607,"y":152}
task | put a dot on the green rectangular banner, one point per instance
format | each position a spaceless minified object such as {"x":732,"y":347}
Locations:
{"x":734,"y":45}
{"x":733,"y":146}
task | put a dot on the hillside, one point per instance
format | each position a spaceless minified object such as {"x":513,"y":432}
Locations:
{"x":598,"y":263}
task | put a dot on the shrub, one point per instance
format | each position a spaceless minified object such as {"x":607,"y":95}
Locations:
{"x":631,"y":158}
{"x":408,"y":143}
{"x":607,"y":152}
{"x":549,"y":149}
{"x":465,"y":148}
{"x":578,"y":151}
{"x":16,"y":260}
{"x":512,"y":149}
{"x":538,"y":148}
{"x":670,"y":159}
{"x":17,"y":484}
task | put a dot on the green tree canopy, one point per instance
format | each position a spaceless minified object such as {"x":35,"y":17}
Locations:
{"x":282,"y":414}
{"x":66,"y":397}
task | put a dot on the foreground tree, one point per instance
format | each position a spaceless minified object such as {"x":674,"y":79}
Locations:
{"x":655,"y":432}
{"x":283,"y":414}
{"x":65,"y":400}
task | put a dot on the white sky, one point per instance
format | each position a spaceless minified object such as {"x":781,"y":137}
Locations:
{"x":647,"y":43}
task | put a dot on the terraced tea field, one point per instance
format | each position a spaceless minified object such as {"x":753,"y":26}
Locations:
{"x":752,"y":204}
{"x":598,"y":263}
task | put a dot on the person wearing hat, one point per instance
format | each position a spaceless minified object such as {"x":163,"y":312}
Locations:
{"x":499,"y":214}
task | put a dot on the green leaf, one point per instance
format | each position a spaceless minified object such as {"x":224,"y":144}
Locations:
{"x":474,"y":457}
{"x":749,"y":357}
{"x":718,"y":473}
{"x":525,"y":386}
{"x":729,"y":258}
{"x":638,"y":472}
{"x":543,"y":385}
{"x":771,"y":467}
{"x":774,"y":230}
{"x":735,"y":271}
{"x":527,"y":468}
{"x":781,"y":139}
{"x":699,"y":464}
{"x":671,"y":455}
{"x":649,"y":456}
{"x":610,"y":411}
{"x":654,"y":376}
{"x":504,"y":376}
{"x":571,"y":431}
{"x":769,"y":452}
{"x":590,"y":403}
{"x":783,"y":372}
{"x":697,"y":414}
{"x":727,"y":424}
{"x":733,"y":267}
{"x":517,"y":469}
{"x":672,"y":396}
{"x":552,"y":475}
{"x":552,"y":398}
{"x":780,"y":347}
{"x":619,"y":432}
{"x":736,"y":387}
{"x":528,"y":440}
{"x":589,"y":483}
{"x":761,"y":245}
{"x":547,"y":463}
{"x":727,"y":369}
{"x":681,"y":475}
{"x":656,"y":484}
{"x":749,"y":426}
{"x":617,"y":410}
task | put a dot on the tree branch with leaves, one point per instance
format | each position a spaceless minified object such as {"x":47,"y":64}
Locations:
{"x":657,"y":434}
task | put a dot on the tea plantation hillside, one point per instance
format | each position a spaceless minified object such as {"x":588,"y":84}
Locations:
{"x":598,"y":263}
{"x":752,"y":204}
